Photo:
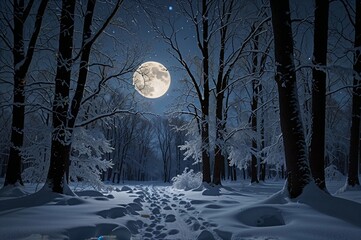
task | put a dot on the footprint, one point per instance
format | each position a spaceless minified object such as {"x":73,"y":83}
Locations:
{"x":173,"y":232}
{"x":138,"y":200}
{"x":156,"y":211}
{"x":196,"y":226}
{"x":159,"y":227}
{"x":167,"y":208}
{"x":156,"y":232}
{"x":170,"y":218}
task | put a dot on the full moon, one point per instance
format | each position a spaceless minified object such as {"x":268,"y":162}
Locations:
{"x":151,"y":79}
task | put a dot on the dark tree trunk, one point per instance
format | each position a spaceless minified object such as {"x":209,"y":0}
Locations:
{"x":298,"y":171}
{"x":206,"y":169}
{"x":253,"y":119}
{"x":234,"y":173}
{"x":262,"y":176}
{"x":21,"y":63}
{"x":221,"y":85}
{"x":223,"y":168}
{"x":218,"y":155}
{"x":257,"y":70}
{"x":263,"y":163}
{"x":218,"y":162}
{"x":13,"y":173}
{"x":353,"y":165}
{"x":205,"y":100}
{"x":82,"y":77}
{"x":60,"y":136}
{"x":317,"y":148}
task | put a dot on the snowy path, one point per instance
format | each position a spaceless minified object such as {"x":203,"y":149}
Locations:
{"x":165,"y":213}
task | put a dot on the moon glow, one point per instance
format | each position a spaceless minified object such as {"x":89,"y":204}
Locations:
{"x":151,"y":79}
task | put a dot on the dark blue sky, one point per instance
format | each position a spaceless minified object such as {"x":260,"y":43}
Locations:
{"x":146,"y":15}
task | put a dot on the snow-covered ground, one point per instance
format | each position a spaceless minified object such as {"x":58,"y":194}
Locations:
{"x":158,"y":211}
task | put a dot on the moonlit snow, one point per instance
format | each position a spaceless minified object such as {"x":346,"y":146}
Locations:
{"x":154,"y":210}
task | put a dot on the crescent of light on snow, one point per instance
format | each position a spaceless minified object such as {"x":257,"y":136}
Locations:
{"x":151,"y":79}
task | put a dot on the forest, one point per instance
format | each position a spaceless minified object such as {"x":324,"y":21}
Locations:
{"x":262,"y":90}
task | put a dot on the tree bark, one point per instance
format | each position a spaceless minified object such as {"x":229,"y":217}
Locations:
{"x":254,"y":106}
{"x":298,"y":171}
{"x":253,"y":117}
{"x":317,"y":148}
{"x":21,"y":63}
{"x":60,"y":135}
{"x":353,"y":165}
{"x":263,"y":163}
{"x":205,"y":101}
{"x":82,"y":77}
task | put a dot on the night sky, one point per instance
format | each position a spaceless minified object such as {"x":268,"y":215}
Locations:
{"x":144,"y":17}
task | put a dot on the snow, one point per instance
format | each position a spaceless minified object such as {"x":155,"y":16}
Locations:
{"x":154,"y":210}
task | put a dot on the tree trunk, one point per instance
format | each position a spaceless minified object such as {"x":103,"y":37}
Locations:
{"x":263,"y":163}
{"x":298,"y":171}
{"x":221,"y":85}
{"x":206,"y":169}
{"x":205,"y":100}
{"x":21,"y":63}
{"x":317,"y":148}
{"x":254,"y":106}
{"x":60,"y":135}
{"x":82,"y":77}
{"x":353,"y":165}
{"x":218,"y":156}
{"x":234,"y":173}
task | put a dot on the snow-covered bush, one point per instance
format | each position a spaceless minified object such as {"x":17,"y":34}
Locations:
{"x":187,"y":180}
{"x":87,"y":161}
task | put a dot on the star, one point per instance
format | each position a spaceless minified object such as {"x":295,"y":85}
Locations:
{"x":170,"y":8}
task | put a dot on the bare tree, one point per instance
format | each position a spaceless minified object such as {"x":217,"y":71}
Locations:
{"x":298,"y":171}
{"x":317,"y":146}
{"x":60,"y":137}
{"x":21,"y":64}
{"x":354,"y":152}
{"x":257,"y":69}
